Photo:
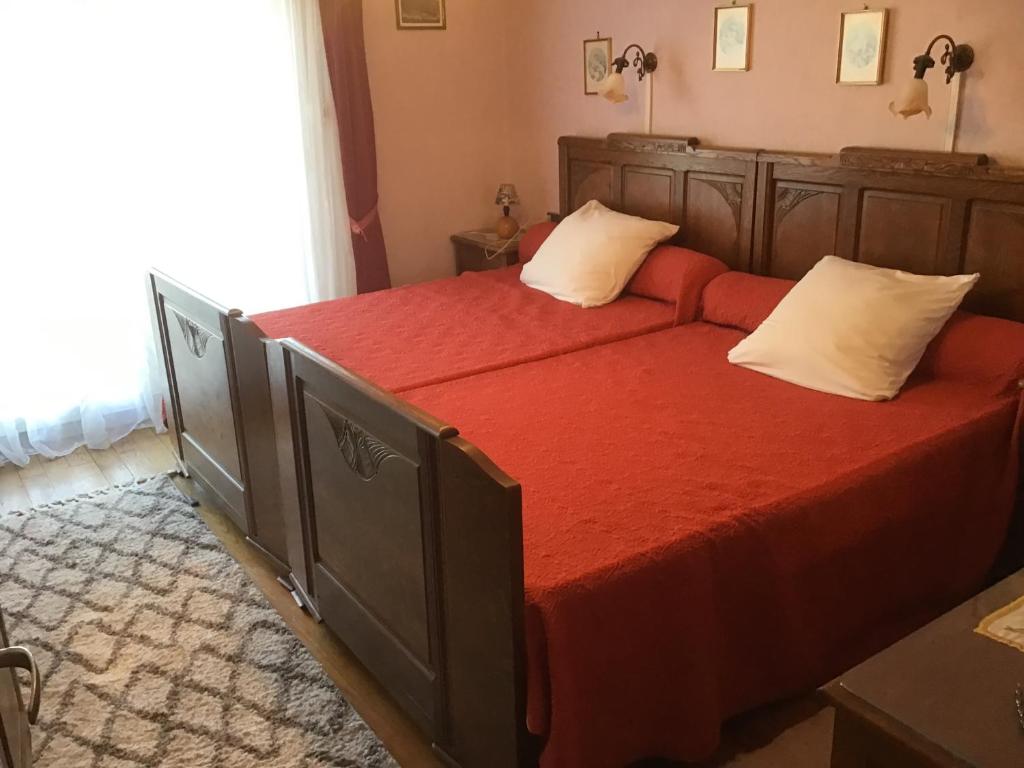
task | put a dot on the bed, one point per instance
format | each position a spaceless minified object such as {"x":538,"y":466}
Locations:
{"x":741,"y":551}
{"x":218,"y":392}
{"x":447,"y":329}
{"x":408,"y":537}
{"x":399,"y":339}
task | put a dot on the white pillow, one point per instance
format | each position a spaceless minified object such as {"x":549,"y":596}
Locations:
{"x":852,"y":329}
{"x":591,"y":254}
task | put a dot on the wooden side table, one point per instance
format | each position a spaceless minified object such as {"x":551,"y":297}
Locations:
{"x":942,"y":697}
{"x":476,"y":251}
{"x":15,"y":716}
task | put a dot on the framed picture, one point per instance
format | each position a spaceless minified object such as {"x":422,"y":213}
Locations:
{"x":732,"y":39}
{"x":597,"y":63}
{"x":420,"y":14}
{"x":862,"y":47}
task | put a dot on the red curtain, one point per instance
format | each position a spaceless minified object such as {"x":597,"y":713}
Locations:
{"x":342,"y":22}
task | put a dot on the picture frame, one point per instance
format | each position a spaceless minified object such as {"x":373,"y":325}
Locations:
{"x":420,"y":14}
{"x":597,"y":63}
{"x":731,"y":43}
{"x":862,"y":38}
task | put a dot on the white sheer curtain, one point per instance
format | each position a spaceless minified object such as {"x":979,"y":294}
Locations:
{"x":197,"y":136}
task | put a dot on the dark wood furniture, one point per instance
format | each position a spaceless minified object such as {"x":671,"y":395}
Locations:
{"x":942,"y":697}
{"x":407,"y":541}
{"x":476,"y":251}
{"x":778,"y":213}
{"x":218,"y":407}
{"x":710,"y":193}
{"x":404,"y":537}
{"x":15,"y":714}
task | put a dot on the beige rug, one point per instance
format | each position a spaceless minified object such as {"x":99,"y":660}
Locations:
{"x":155,"y":648}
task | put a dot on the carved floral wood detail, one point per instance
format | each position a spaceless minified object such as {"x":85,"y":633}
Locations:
{"x":788,"y":198}
{"x":363,"y":452}
{"x":196,"y":337}
{"x":731,"y":192}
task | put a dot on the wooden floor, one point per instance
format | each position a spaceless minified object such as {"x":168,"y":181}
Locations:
{"x":791,"y":735}
{"x":141,"y":454}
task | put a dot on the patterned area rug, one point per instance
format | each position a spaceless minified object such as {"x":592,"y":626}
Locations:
{"x":156,"y":649}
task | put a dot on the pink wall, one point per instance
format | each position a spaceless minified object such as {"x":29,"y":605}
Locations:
{"x":507,"y":81}
{"x":441,"y":120}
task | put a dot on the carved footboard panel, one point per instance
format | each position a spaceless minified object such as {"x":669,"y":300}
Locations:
{"x":218,"y":406}
{"x":407,"y":541}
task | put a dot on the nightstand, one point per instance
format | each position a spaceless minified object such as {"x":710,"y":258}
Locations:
{"x":476,"y":251}
{"x":942,"y":697}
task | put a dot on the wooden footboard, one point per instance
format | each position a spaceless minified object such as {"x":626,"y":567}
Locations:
{"x":218,"y":406}
{"x":407,"y":541}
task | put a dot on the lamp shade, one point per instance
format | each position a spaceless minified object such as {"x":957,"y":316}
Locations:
{"x":914,"y":100}
{"x":613,"y":88}
{"x":506,"y":195}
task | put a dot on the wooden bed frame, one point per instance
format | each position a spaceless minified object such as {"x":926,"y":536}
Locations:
{"x":402,"y":536}
{"x":218,"y":408}
{"x":407,"y":541}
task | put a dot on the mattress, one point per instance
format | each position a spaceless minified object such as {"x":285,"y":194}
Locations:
{"x":704,"y":539}
{"x":433,"y":332}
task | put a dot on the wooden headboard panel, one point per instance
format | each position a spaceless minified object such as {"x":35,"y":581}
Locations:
{"x":710,"y":194}
{"x":779,"y":213}
{"x":951,"y":220}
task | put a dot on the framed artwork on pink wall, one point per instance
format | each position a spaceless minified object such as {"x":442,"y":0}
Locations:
{"x":862,"y":47}
{"x":731,"y":52}
{"x":420,"y":14}
{"x":597,"y":62}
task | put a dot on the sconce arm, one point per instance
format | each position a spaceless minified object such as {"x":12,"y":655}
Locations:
{"x":643,"y":61}
{"x":957,"y":58}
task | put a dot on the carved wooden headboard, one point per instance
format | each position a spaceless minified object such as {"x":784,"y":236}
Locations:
{"x":779,"y":213}
{"x":709,"y":193}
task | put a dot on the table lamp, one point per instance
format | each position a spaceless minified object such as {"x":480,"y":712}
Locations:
{"x":507,"y":227}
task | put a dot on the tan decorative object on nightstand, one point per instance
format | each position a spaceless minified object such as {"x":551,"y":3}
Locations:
{"x":507,"y":227}
{"x":476,"y":251}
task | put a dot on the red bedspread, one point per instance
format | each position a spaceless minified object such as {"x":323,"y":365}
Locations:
{"x":432,"y":332}
{"x":705,"y":539}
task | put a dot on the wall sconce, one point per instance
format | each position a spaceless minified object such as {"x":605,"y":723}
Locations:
{"x":613,"y":87}
{"x":957,"y":58}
